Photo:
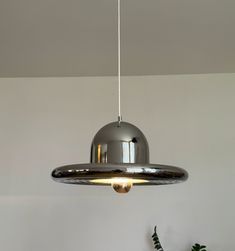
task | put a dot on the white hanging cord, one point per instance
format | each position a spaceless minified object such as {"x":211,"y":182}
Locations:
{"x":119,"y":61}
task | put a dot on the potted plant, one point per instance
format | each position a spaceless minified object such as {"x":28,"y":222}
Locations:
{"x":158,"y":246}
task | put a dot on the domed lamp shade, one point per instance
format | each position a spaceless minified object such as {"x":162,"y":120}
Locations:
{"x":119,"y":158}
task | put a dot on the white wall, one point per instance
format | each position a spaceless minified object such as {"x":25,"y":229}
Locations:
{"x":46,"y":122}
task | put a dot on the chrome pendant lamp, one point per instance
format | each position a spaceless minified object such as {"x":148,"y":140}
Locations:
{"x":119,"y":156}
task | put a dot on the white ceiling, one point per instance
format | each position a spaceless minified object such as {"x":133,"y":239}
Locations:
{"x":78,"y":37}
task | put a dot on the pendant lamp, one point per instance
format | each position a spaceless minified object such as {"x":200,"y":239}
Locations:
{"x":119,"y":156}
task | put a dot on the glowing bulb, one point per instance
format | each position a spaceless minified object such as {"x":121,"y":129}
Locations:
{"x":122,"y":185}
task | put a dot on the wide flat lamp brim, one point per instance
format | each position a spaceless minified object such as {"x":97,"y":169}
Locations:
{"x":140,"y":174}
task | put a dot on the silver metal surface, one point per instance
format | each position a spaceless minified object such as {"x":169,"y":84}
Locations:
{"x":119,"y":142}
{"x":119,"y":150}
{"x":85,"y":173}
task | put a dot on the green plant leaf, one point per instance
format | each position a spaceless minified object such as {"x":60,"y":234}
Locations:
{"x":198,"y":247}
{"x":158,"y":246}
{"x":156,"y":241}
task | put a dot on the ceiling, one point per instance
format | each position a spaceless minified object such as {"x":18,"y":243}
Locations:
{"x":41,"y":38}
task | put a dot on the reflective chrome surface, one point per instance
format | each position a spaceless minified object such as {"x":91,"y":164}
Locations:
{"x":86,"y":173}
{"x":119,"y":150}
{"x":119,"y":142}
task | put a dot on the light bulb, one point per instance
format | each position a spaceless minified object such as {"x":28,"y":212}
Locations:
{"x":122,"y":185}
